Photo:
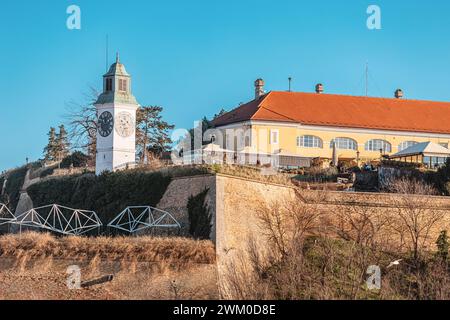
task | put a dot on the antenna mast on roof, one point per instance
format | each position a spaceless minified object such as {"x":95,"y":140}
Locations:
{"x":107,"y":49}
{"x":290,"y":80}
{"x":367,"y":79}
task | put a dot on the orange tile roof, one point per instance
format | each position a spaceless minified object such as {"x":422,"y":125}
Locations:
{"x":344,"y":111}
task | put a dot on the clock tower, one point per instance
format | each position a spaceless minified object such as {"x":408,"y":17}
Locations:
{"x":116,"y":124}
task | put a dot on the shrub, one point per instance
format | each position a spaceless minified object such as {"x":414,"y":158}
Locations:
{"x":443,"y":245}
{"x":400,"y":164}
{"x":14,"y":184}
{"x":77,"y":159}
{"x":46,"y":172}
{"x":2,"y":181}
{"x":199,"y":216}
{"x":317,"y":174}
{"x":107,"y":194}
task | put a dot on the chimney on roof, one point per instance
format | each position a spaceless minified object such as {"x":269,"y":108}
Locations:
{"x":319,"y":88}
{"x":399,"y":93}
{"x":259,"y":88}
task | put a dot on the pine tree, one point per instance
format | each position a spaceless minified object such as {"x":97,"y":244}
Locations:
{"x":50,"y":151}
{"x":62,"y":144}
{"x":152,"y":132}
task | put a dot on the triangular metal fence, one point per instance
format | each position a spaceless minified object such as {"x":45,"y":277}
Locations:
{"x":6,"y":215}
{"x":137,"y":218}
{"x":60,"y":219}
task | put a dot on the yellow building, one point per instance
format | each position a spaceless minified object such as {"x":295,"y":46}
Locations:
{"x":300,"y":126}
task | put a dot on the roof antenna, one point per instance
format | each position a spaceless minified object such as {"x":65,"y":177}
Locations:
{"x":107,"y":49}
{"x":367,"y":79}
{"x":290,"y":80}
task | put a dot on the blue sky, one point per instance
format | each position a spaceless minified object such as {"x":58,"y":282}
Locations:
{"x":194,"y":57}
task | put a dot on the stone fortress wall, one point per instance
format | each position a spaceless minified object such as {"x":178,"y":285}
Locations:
{"x":234,"y":202}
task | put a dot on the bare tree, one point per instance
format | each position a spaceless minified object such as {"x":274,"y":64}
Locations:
{"x":82,"y":122}
{"x":416,"y":214}
{"x":307,"y":248}
{"x":362,"y":223}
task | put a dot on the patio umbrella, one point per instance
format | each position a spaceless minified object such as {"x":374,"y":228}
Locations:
{"x":334,"y":157}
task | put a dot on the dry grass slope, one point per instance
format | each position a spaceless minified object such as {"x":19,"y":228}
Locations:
{"x":148,"y":249}
{"x":33,"y":266}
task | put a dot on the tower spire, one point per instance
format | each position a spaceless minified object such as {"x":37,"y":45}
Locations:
{"x":117,"y":57}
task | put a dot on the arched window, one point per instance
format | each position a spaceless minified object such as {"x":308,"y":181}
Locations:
{"x":309,"y":142}
{"x":344,"y":144}
{"x":377,"y":145}
{"x":405,"y":145}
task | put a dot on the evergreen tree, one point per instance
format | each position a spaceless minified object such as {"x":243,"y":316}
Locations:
{"x":204,"y":125}
{"x":199,"y":216}
{"x":62,"y":144}
{"x":50,"y":151}
{"x":443,"y":245}
{"x":152,"y":132}
{"x":221,"y":113}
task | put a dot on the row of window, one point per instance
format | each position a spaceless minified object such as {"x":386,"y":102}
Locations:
{"x":309,"y":141}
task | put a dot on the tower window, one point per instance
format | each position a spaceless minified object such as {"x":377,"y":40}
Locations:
{"x":122,"y":85}
{"x":108,"y":84}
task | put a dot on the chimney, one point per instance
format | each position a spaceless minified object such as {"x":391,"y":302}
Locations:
{"x":319,"y":88}
{"x":399,"y":93}
{"x":259,"y":88}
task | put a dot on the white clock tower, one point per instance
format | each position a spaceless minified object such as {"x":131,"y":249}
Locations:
{"x":116,"y":126}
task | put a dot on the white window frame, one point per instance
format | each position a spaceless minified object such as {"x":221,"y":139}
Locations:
{"x":406,"y":144}
{"x":317,"y":142}
{"x":369,"y":145}
{"x":277,"y":135}
{"x":347,"y":146}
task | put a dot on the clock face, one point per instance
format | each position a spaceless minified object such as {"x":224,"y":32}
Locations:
{"x":125,"y":124}
{"x":105,"y":124}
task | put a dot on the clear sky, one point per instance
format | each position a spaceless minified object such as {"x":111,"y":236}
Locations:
{"x":194,"y":57}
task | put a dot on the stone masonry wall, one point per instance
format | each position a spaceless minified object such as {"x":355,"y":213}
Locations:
{"x":238,"y":200}
{"x":234,"y":202}
{"x":176,"y":198}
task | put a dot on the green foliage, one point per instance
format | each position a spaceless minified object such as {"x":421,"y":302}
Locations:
{"x":401,"y":164}
{"x":317,"y":174}
{"x":152,"y":132}
{"x":50,"y":150}
{"x":186,"y":171}
{"x":107,"y":194}
{"x":199,"y":216}
{"x":13,"y":186}
{"x":46,"y":172}
{"x":2,"y":181}
{"x":77,"y":159}
{"x":443,"y":245}
{"x":58,"y":145}
{"x":62,"y":143}
{"x":441,"y":178}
